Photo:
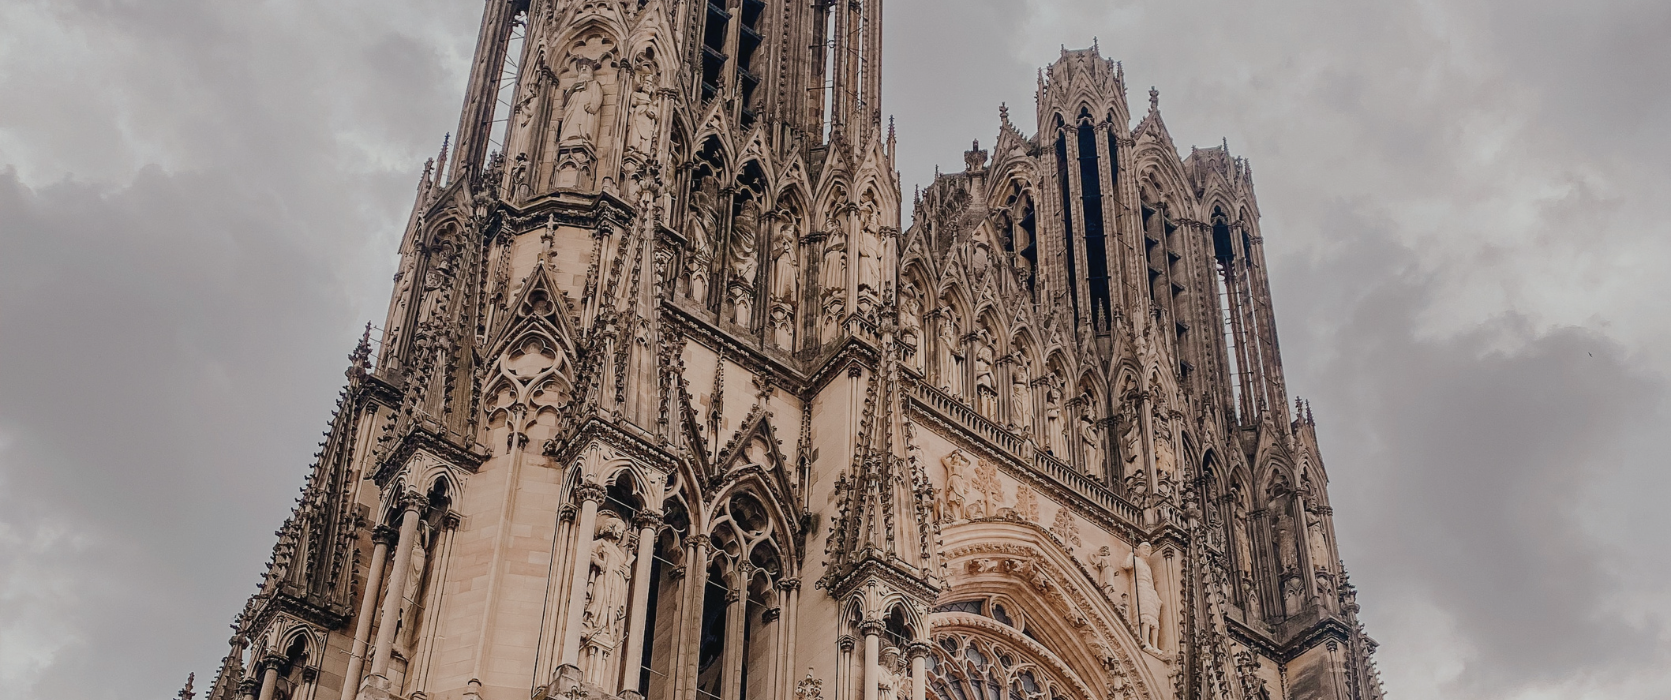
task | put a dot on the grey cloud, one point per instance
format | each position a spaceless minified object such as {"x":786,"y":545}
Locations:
{"x":1460,"y":202}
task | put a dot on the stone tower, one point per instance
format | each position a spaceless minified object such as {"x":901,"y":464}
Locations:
{"x":666,"y":405}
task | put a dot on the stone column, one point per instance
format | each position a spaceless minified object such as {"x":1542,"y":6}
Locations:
{"x":872,"y":631}
{"x":412,"y":506}
{"x":382,"y":535}
{"x":589,"y":495}
{"x":919,"y":652}
{"x":632,"y":657}
{"x":791,"y":588}
{"x":269,"y":677}
{"x":690,"y":617}
{"x":736,"y":622}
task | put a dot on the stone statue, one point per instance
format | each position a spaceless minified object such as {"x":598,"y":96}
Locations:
{"x":1055,"y":432}
{"x":1316,"y":540}
{"x":870,"y":248}
{"x":1148,"y":598}
{"x":704,"y":219}
{"x":1282,"y":530}
{"x":951,"y":356}
{"x":642,"y":108}
{"x":414,"y":584}
{"x":745,"y":236}
{"x":986,"y":391}
{"x":891,"y":677}
{"x":1091,"y":442}
{"x":990,"y":488}
{"x":1131,"y":441}
{"x":834,"y":275}
{"x":1166,"y":460}
{"x":958,"y":485}
{"x":609,"y":583}
{"x":911,"y":324}
{"x":580,"y":115}
{"x":786,"y":262}
{"x":1021,"y":397}
{"x":1238,"y":533}
{"x":1102,"y":564}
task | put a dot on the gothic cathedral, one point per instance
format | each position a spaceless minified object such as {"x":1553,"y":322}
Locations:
{"x":668,"y":406}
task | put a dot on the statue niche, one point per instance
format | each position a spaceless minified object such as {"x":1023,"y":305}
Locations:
{"x":606,"y":605}
{"x":911,"y":325}
{"x":744,"y":260}
{"x":1021,"y":395}
{"x":703,"y":224}
{"x":986,"y":390}
{"x":786,"y":279}
{"x":577,"y":135}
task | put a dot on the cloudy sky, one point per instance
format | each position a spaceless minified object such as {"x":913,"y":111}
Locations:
{"x":1463,"y":209}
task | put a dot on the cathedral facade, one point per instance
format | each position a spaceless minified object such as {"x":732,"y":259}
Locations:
{"x":668,"y":405}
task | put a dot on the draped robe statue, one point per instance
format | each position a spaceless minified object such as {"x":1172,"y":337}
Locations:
{"x":580,"y":115}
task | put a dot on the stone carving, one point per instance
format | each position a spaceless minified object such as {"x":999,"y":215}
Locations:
{"x":580,"y":113}
{"x":870,"y":248}
{"x":809,"y":688}
{"x":1026,"y":504}
{"x":990,"y":489}
{"x":1090,"y":440}
{"x":1066,"y":528}
{"x":911,"y":324}
{"x":834,"y":272}
{"x":1021,"y":396}
{"x":744,"y":259}
{"x":1316,"y":540}
{"x":642,"y":108}
{"x":1055,"y":430}
{"x":703,"y":224}
{"x":951,"y":354}
{"x":959,"y":482}
{"x":608,"y":583}
{"x":786,"y":280}
{"x":1148,"y":597}
{"x":891,"y":677}
{"x":1102,"y":562}
{"x":986,"y":390}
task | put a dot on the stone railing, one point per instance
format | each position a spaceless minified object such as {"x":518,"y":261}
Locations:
{"x":962,"y":415}
{"x":1085,"y":486}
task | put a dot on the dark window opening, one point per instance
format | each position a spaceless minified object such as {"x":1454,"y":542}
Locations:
{"x":713,"y":48}
{"x":1067,"y":218}
{"x":748,"y":41}
{"x":1096,"y":251}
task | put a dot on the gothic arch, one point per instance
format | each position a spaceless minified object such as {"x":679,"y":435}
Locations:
{"x":1069,"y":621}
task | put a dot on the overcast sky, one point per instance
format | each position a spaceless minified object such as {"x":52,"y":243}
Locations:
{"x":1464,"y":214}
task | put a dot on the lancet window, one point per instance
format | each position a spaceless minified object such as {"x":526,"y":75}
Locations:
{"x":1096,"y":250}
{"x":716,"y":21}
{"x":740,"y":603}
{"x":1066,"y":189}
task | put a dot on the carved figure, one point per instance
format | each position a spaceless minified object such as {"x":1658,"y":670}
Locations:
{"x":1102,"y":563}
{"x":1148,"y":598}
{"x":786,"y":263}
{"x":911,"y":324}
{"x":951,"y":360}
{"x":958,"y":485}
{"x":704,"y":219}
{"x":1091,"y":442}
{"x":986,"y":391}
{"x":1318,"y":543}
{"x":1021,"y":398}
{"x":642,"y":108}
{"x":580,"y":115}
{"x":870,"y":248}
{"x":834,"y":277}
{"x":1055,"y":432}
{"x":745,"y":230}
{"x":990,"y":488}
{"x":605,"y":612}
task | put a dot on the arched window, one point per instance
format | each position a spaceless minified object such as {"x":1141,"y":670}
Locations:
{"x":970,"y":666}
{"x":1066,"y":188}
{"x":1096,"y":251}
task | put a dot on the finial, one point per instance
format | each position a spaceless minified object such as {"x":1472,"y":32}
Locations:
{"x":1225,"y":144}
{"x":976,"y":145}
{"x":187,"y":693}
{"x":1064,"y":50}
{"x":1154,"y":99}
{"x":890,"y":127}
{"x":441,"y":160}
{"x":1004,"y":112}
{"x":1120,"y":72}
{"x":1094,"y":46}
